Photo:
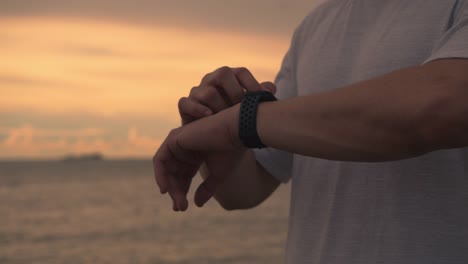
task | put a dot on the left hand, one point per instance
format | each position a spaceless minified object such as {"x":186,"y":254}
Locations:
{"x":183,"y":151}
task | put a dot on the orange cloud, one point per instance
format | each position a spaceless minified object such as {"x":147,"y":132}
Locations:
{"x":136,"y":140}
{"x":33,"y":142}
{"x":65,"y":65}
{"x":72,"y":66}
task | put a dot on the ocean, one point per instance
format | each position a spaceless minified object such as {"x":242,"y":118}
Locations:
{"x":111,"y":212}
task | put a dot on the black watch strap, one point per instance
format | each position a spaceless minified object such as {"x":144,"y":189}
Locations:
{"x":248,"y":118}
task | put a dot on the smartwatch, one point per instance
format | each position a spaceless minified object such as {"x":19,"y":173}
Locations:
{"x":248,"y":118}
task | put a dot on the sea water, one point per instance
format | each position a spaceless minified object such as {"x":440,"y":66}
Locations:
{"x":112,"y":212}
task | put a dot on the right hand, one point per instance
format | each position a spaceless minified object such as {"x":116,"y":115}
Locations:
{"x":219,"y":90}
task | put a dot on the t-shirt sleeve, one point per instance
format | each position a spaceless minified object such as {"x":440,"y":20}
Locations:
{"x":454,"y":43}
{"x":277,"y":162}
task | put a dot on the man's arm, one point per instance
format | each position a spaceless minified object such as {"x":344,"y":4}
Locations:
{"x":399,"y":115}
{"x":248,"y":185}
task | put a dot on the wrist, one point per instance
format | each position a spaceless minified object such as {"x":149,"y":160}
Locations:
{"x":230,"y":119}
{"x":267,"y":121}
{"x":248,"y":132}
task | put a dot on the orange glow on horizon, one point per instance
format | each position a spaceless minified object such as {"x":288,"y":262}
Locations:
{"x":60,"y":66}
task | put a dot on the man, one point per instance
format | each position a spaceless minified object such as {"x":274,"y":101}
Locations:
{"x":371,"y":127}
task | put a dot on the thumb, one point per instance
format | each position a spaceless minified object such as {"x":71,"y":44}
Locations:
{"x":269,"y":86}
{"x":206,"y":190}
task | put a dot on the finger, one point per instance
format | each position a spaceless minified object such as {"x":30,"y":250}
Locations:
{"x":183,"y":165}
{"x":247,"y":80}
{"x":173,"y":199}
{"x":165,"y":168}
{"x":185,"y":158}
{"x":183,"y":174}
{"x":206,"y":191}
{"x":226,"y":82}
{"x":190,"y":110}
{"x":178,"y":197}
{"x":185,"y":183}
{"x":178,"y":184}
{"x":269,"y":86}
{"x":229,"y":86}
{"x":183,"y":180}
{"x":210,"y":97}
{"x":172,"y":167}
{"x":160,"y":174}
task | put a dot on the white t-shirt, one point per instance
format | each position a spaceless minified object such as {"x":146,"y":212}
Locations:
{"x":413,"y":211}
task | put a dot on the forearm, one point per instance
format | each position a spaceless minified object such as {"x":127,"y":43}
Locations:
{"x":396,"y":116}
{"x":246,"y":186}
{"x":399,"y":115}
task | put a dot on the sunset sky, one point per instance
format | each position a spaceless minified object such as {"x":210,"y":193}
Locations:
{"x":105,"y":76}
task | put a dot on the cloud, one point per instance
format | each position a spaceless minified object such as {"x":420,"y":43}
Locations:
{"x":105,"y":76}
{"x":134,"y":139}
{"x":44,"y":135}
{"x":90,"y":50}
{"x":27,"y":131}
{"x":26,"y":134}
{"x":88,"y":124}
{"x":16,"y":80}
{"x":260,"y":16}
{"x":20,"y":80}
{"x":112,"y":68}
{"x":22,"y":136}
{"x":29,"y":141}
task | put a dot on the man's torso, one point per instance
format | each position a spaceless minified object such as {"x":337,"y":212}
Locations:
{"x":410,"y":211}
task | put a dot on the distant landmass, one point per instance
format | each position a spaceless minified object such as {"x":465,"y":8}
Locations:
{"x":84,"y":157}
